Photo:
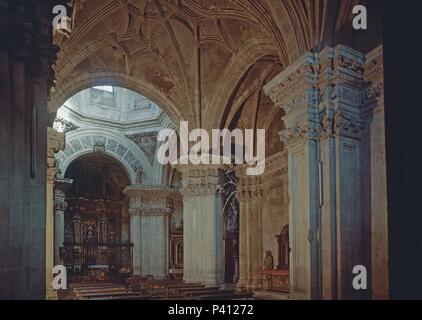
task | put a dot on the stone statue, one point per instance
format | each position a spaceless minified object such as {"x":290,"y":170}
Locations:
{"x":139,"y":172}
{"x":268,"y":261}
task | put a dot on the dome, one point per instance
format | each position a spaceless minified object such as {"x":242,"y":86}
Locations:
{"x":113,"y":105}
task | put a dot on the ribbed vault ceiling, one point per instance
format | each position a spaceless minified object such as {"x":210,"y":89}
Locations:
{"x":199,"y":60}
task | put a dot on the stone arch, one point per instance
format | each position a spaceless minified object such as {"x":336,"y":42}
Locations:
{"x":88,"y":80}
{"x":85,"y":141}
{"x":251,"y":52}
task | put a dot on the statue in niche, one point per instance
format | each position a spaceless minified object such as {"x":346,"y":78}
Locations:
{"x":90,"y":236}
{"x":283,"y":248}
{"x":139,"y":172}
{"x":269,"y":260}
{"x":104,"y":229}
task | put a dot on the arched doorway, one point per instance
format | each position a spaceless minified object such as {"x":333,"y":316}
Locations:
{"x":118,"y":210}
{"x":96,"y":230}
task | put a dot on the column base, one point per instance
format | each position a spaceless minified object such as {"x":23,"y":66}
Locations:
{"x":51,"y":294}
{"x":241,"y":285}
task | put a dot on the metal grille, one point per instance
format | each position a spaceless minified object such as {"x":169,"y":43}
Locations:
{"x":85,"y":262}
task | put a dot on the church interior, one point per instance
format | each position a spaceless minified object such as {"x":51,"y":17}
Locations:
{"x":82,"y":107}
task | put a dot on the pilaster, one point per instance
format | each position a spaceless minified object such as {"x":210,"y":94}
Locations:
{"x":374,"y":148}
{"x":295,"y":91}
{"x":61,"y":185}
{"x":341,"y":83}
{"x":55,"y":142}
{"x":324,"y":97}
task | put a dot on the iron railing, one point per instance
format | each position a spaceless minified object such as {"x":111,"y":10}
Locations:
{"x":84,"y":261}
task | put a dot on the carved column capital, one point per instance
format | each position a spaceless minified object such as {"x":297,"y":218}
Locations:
{"x":28,"y":33}
{"x":322,"y":95}
{"x":199,"y":179}
{"x":275,"y":169}
{"x":373,"y":95}
{"x":304,"y":131}
{"x":288,"y":90}
{"x":248,"y":187}
{"x":149,"y":201}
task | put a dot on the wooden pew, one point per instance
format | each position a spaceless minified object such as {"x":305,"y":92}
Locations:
{"x":108,"y":292}
{"x":110,"y":296}
{"x":228,"y":296}
{"x":206,"y":291}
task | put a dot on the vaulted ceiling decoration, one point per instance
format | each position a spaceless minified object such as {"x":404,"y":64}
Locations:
{"x":199,"y":60}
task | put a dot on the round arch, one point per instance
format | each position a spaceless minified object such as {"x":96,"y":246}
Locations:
{"x":85,"y":141}
{"x":66,"y":90}
{"x":240,"y":63}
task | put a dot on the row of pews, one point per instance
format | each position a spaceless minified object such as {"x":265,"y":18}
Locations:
{"x":147,"y":289}
{"x":105,"y":291}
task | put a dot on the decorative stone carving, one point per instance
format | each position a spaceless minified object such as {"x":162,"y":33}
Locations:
{"x":62,"y":125}
{"x":146,"y":201}
{"x":289,"y":92}
{"x":147,"y":142}
{"x":139,"y":172}
{"x":84,"y":141}
{"x":248,"y":187}
{"x":333,"y":107}
{"x":230,"y":204}
{"x":29,"y":37}
{"x":348,"y":127}
{"x":299,"y":134}
{"x":199,"y":179}
{"x":55,"y":143}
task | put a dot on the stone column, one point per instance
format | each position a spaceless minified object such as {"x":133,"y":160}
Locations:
{"x":202,"y":224}
{"x":322,"y":96}
{"x":374,"y":100}
{"x":26,"y":58}
{"x":149,"y":208}
{"x":250,"y":193}
{"x":56,"y":142}
{"x":135,"y":239}
{"x":60,"y":187}
{"x":344,"y":230}
{"x":293,"y":90}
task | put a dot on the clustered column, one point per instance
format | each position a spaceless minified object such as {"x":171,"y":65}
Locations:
{"x":322,"y":96}
{"x":149,"y":210}
{"x":202,"y":224}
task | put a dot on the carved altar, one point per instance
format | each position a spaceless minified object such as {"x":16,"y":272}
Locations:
{"x":277,"y":280}
{"x":93,"y":246}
